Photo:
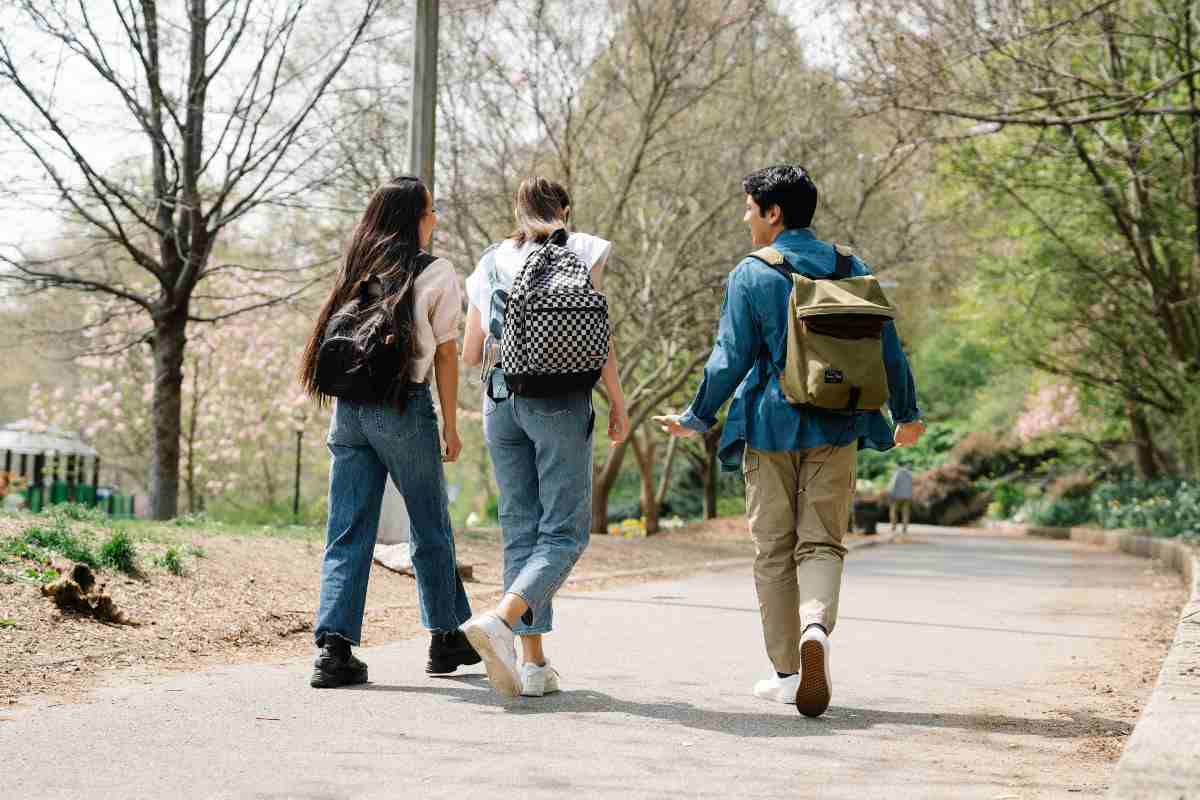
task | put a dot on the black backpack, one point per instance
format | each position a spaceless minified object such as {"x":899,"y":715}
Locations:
{"x":359,"y":359}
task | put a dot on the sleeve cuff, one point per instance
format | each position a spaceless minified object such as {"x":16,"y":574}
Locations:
{"x":692,"y":422}
{"x":913,"y":417}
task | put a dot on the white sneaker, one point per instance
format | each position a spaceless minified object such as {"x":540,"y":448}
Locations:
{"x":816,"y":686}
{"x":495,"y":643}
{"x":777,"y":689}
{"x":537,"y":681}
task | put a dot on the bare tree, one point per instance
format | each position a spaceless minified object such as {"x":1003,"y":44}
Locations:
{"x":223,"y":103}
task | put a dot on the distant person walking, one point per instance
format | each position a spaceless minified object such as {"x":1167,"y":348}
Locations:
{"x":391,"y":319}
{"x":540,"y":442}
{"x":798,"y":459}
{"x":900,"y":496}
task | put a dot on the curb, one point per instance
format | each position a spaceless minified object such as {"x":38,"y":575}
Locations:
{"x":727,"y":563}
{"x":1160,"y":759}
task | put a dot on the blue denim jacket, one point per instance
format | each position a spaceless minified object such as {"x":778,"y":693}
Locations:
{"x":749,"y":355}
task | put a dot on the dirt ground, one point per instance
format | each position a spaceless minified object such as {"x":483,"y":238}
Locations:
{"x":251,"y":598}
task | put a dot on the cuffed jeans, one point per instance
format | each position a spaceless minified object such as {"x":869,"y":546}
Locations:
{"x":541,"y":451}
{"x":369,"y":443}
{"x":798,"y":504}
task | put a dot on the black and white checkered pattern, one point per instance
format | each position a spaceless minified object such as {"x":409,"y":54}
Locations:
{"x":556,"y":323}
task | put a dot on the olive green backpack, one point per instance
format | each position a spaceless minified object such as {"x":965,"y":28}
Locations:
{"x":835,"y":337}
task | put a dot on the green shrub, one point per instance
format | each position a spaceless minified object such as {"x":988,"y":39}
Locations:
{"x":1064,"y":512}
{"x":196,"y":551}
{"x":119,"y":553}
{"x":1168,"y":507}
{"x":171,"y":561}
{"x":76,"y":512}
{"x":59,"y":538}
{"x":1008,"y":496}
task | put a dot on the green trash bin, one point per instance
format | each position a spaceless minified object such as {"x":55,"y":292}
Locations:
{"x":58,"y":493}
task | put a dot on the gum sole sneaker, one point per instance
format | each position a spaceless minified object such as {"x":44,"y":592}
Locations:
{"x":815,"y":689}
{"x":495,"y":643}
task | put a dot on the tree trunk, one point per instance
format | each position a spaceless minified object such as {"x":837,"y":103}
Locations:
{"x":602,"y":485}
{"x":1143,"y":444}
{"x":643,"y":450}
{"x":169,"y":341}
{"x":712,"y":443}
{"x":664,"y":483}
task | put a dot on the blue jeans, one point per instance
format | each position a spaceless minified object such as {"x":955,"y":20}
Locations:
{"x":368,"y":443}
{"x":542,"y":454}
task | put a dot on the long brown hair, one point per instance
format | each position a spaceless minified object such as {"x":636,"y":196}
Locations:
{"x":541,"y":208}
{"x":384,"y":244}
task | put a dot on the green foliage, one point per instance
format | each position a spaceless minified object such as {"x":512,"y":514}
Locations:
{"x":76,"y":512}
{"x":957,"y":366}
{"x":1008,"y":497}
{"x":932,"y":451}
{"x":197,"y":519}
{"x":8,"y":623}
{"x":41,"y":575}
{"x":1168,"y":507}
{"x":57,"y":537}
{"x":171,"y":561}
{"x":119,"y":552}
{"x":1063,"y":513}
{"x":197,"y":551}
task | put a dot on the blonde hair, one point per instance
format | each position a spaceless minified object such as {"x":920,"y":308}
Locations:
{"x":540,"y":209}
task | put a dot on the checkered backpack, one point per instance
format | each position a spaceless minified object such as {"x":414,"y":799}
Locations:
{"x":556,"y":329}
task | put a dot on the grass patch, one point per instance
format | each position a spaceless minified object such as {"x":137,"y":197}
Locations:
{"x":42,"y":576}
{"x":119,"y":553}
{"x":59,"y":538}
{"x":79,"y":513}
{"x":171,"y":562}
{"x":196,"y":551}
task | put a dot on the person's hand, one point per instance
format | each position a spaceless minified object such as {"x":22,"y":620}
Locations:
{"x":909,"y":433}
{"x":618,"y":423}
{"x":453,"y":446}
{"x":670,"y":424}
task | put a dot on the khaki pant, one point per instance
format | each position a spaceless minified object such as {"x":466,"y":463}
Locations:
{"x":798,"y":504}
{"x":901,"y":510}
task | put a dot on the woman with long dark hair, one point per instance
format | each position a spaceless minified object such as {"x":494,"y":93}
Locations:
{"x":541,"y":450}
{"x":421,"y":304}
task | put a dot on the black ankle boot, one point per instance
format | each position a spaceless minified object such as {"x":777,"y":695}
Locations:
{"x":337,"y":666}
{"x":448,"y":652}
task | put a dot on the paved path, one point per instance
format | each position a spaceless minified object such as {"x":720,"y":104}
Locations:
{"x":954,"y":665}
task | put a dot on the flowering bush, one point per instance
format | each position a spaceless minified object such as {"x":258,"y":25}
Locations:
{"x":241,"y":405}
{"x":1052,"y":409}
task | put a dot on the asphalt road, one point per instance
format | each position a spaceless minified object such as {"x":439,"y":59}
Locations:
{"x":956,"y":668}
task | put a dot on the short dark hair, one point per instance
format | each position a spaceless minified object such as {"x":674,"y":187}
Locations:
{"x":788,"y":187}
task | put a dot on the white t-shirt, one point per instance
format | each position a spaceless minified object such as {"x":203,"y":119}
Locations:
{"x":437,"y":315}
{"x":509,"y":258}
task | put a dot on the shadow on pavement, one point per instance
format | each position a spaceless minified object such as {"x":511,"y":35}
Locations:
{"x":771,"y":725}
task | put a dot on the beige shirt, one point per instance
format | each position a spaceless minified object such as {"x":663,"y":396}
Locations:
{"x":437,"y":315}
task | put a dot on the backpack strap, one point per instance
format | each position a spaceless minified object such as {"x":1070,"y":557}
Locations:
{"x":844,"y":268}
{"x":776,"y":261}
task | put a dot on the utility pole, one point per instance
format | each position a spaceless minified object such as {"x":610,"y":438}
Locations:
{"x":424,"y":91}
